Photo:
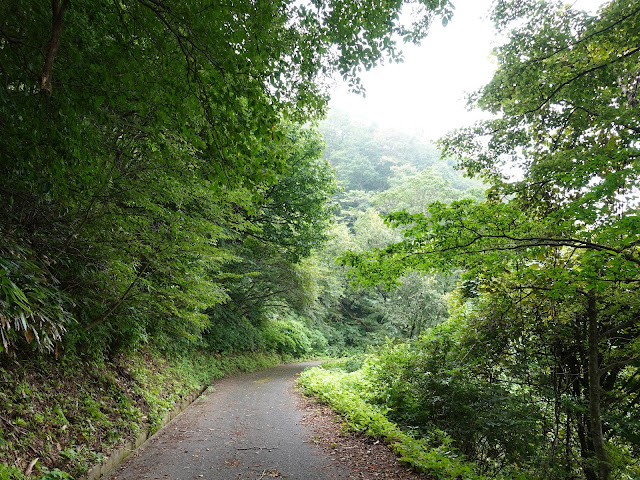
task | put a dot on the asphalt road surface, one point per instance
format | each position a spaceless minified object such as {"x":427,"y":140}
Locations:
{"x":247,"y":428}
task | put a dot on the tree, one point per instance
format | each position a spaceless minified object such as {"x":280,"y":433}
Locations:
{"x":297,"y":211}
{"x":419,"y":190}
{"x":418,"y":303}
{"x":551,"y":258}
{"x":137,"y":135}
{"x":267,"y":272}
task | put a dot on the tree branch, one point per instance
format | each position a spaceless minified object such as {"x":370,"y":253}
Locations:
{"x":620,"y":364}
{"x":115,"y":306}
{"x":617,"y":328}
{"x":583,"y":39}
{"x":581,"y":74}
{"x":526,"y":242}
{"x":58,"y":10}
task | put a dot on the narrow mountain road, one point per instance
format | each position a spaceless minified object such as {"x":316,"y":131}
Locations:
{"x":247,"y":428}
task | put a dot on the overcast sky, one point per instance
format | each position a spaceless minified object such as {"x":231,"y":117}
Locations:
{"x":425,"y":95}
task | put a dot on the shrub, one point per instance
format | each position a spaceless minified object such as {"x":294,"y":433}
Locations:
{"x":344,"y":393}
{"x":287,"y":337}
{"x":432,"y":385}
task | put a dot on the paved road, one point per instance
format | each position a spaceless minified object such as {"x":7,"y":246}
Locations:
{"x":247,"y":428}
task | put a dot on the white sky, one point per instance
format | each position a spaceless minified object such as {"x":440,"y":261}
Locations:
{"x":425,"y":95}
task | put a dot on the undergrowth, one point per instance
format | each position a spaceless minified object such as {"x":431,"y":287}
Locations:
{"x":345,"y":386}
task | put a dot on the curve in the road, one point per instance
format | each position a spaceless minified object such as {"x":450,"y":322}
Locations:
{"x":248,"y":427}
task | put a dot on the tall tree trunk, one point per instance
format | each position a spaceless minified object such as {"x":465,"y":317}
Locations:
{"x":585,"y":451}
{"x":54,"y":42}
{"x":595,"y":391}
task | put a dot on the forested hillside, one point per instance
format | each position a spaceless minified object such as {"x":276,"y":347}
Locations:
{"x":178,"y":204}
{"x":379,"y":171}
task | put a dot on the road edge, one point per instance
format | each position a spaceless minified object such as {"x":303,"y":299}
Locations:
{"x":119,"y":455}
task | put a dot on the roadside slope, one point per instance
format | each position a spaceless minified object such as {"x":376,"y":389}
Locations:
{"x":59,"y":418}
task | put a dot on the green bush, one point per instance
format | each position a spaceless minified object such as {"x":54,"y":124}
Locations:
{"x":287,"y":337}
{"x":430,"y":385}
{"x":229,"y":333}
{"x":344,"y":393}
{"x":34,"y":310}
{"x":461,"y":421}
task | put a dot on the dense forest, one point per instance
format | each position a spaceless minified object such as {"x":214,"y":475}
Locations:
{"x":536,"y":374}
{"x":178,"y":204}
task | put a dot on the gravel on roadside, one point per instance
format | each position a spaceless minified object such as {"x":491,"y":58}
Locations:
{"x":368,"y":458}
